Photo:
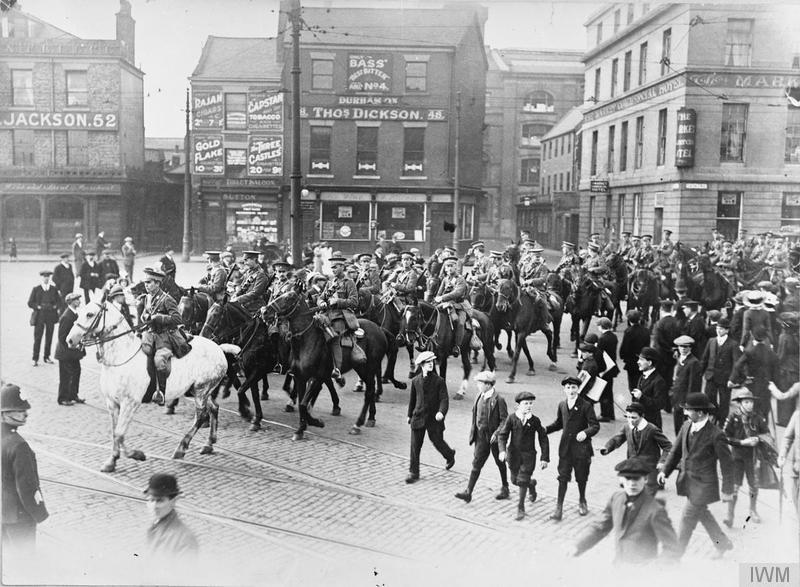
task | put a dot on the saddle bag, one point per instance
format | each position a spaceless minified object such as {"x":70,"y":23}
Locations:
{"x":179,"y":343}
{"x":357,"y":355}
{"x":475,"y":342}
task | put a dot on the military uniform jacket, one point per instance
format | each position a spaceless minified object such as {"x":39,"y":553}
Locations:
{"x":214,"y":283}
{"x":369,"y":280}
{"x":161,"y":311}
{"x":595,"y":264}
{"x":63,"y":350}
{"x":405,"y":284}
{"x":428,"y":396}
{"x":342,"y":299}
{"x":580,"y":418}
{"x":46,"y":303}
{"x":453,"y":289}
{"x":496,"y":414}
{"x":530,"y":271}
{"x":697,"y":460}
{"x":250,"y":293}
{"x":91,"y":277}
{"x":278,"y":288}
{"x":20,"y":477}
{"x":64,"y":279}
{"x":638,"y":533}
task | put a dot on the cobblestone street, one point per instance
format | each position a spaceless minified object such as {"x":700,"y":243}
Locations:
{"x":331,"y":509}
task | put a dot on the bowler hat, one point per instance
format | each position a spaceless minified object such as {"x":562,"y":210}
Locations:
{"x":697,"y":401}
{"x":162,"y":485}
{"x":635,"y":407}
{"x":724,"y":322}
{"x":741,"y":393}
{"x":424,"y":357}
{"x":524,"y":395}
{"x":633,"y":468}
{"x":649,"y":354}
{"x":486,"y":377}
{"x":570,"y":381}
{"x":11,"y":400}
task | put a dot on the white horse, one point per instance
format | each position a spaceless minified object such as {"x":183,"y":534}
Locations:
{"x":124,"y":378}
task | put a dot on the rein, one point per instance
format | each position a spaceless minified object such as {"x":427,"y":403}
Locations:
{"x":98,"y":340}
{"x":292,"y":312}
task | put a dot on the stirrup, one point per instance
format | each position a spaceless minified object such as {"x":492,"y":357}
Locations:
{"x":359,"y":332}
{"x":475,"y":324}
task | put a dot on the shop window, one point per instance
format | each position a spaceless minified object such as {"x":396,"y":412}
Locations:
{"x":322,"y":74}
{"x":399,"y":217}
{"x":538,"y":101}
{"x":666,"y":51}
{"x":637,"y":214}
{"x":612,"y":131}
{"x":626,"y":71}
{"x":792,"y":153}
{"x":739,"y":42}
{"x":790,"y":209}
{"x":413,"y":151}
{"x":467,"y":223}
{"x":623,"y":146}
{"x":614,"y":76}
{"x":65,"y":217}
{"x":77,"y":88}
{"x":23,"y":147}
{"x":346,"y":221}
{"x":529,"y":171}
{"x":248,"y":223}
{"x":416,"y":76}
{"x":642,"y":63}
{"x":367,"y":150}
{"x":729,"y":211}
{"x":77,"y":147}
{"x":319,"y":159}
{"x":639,"y":147}
{"x":533,"y":132}
{"x":593,"y":165}
{"x":22,"y":87}
{"x":236,"y":111}
{"x":21,"y":218}
{"x":661,"y":152}
{"x":734,"y":123}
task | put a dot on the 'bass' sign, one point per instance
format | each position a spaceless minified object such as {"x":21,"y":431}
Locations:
{"x":369,"y":73}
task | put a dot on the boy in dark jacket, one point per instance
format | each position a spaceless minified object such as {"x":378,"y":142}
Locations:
{"x":635,"y":338}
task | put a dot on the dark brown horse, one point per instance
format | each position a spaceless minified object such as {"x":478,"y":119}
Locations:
{"x":383,"y":312}
{"x":643,"y":295}
{"x":619,"y":273}
{"x":193,"y":308}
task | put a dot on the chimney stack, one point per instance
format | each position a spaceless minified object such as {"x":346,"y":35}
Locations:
{"x":126,"y":30}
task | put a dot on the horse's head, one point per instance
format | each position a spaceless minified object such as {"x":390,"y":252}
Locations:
{"x":511,"y":254}
{"x":506,"y":294}
{"x":95,"y":321}
{"x":477,"y":294}
{"x":284,"y":306}
{"x":186,"y":306}
{"x":553,"y":281}
{"x":137,"y":289}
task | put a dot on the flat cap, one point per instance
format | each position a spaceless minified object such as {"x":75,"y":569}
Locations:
{"x":649,"y":354}
{"x":523,"y":396}
{"x":45,"y":272}
{"x":633,"y":467}
{"x":71,"y":297}
{"x":741,"y":393}
{"x":635,"y":407}
{"x":486,"y":377}
{"x":424,"y":357}
{"x":571,"y":380}
{"x":683,"y":340}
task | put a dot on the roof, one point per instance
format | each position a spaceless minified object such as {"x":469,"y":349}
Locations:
{"x":163,"y":144}
{"x":568,"y":123}
{"x":238,"y":58}
{"x":548,"y":61}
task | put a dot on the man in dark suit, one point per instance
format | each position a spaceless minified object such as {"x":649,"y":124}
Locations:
{"x":759,"y":363}
{"x":639,"y":520}
{"x":91,"y":275}
{"x":63,"y":278}
{"x":575,"y":416}
{"x":700,"y":445}
{"x":644,"y":441}
{"x":488,"y":413}
{"x":688,"y":378}
{"x":44,"y":301}
{"x":651,"y":389}
{"x":167,"y":261}
{"x":427,"y":407}
{"x":695,"y":327}
{"x":737,"y":317}
{"x":635,"y":338}
{"x":69,"y":359}
{"x":607,"y":345}
{"x":717,"y":364}
{"x":664,"y":332}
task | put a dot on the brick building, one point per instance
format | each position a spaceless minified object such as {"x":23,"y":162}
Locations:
{"x":71,"y":133}
{"x":691,"y":127}
{"x":527,"y":93}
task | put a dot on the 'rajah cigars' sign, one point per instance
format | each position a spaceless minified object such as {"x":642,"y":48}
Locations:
{"x":369,"y":73}
{"x":265,"y":111}
{"x":378,"y":113}
{"x":265,"y":156}
{"x":207,"y":109}
{"x":685,"y":140}
{"x":59,"y":120}
{"x":208,"y":156}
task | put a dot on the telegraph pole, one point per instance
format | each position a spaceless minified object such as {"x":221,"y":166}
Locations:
{"x":456,"y":220}
{"x":296,"y":176}
{"x":187,"y":187}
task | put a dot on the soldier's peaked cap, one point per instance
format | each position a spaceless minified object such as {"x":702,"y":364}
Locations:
{"x":277,"y":264}
{"x":337,"y":260}
{"x":150,"y":272}
{"x":250,"y":254}
{"x":364,"y":256}
{"x":406,"y":255}
{"x":450,"y":259}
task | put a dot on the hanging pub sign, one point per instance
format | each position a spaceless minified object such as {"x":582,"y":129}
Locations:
{"x":265,"y":156}
{"x":207,"y":109}
{"x":265,"y":111}
{"x":369,"y":72}
{"x":685,"y":141}
{"x":208,"y":158}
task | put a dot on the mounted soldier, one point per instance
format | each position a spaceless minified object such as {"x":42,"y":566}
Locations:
{"x":568,"y":258}
{"x":404,"y":282}
{"x":389,"y":266}
{"x":368,"y":278}
{"x":281,"y":282}
{"x":498,"y":270}
{"x":667,"y":246}
{"x":452,"y":297}
{"x":232,"y":269}
{"x":633,"y":252}
{"x":727,"y":262}
{"x":249,"y":296}
{"x":215,"y":279}
{"x":625,"y":244}
{"x":533,"y":278}
{"x":778,"y":260}
{"x":481,"y":264}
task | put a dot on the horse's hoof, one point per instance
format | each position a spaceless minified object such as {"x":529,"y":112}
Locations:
{"x":474,"y":360}
{"x":510,"y":379}
{"x":552,"y":367}
{"x":498,"y":346}
{"x":355,"y":430}
{"x":264,"y":396}
{"x":573,"y":355}
{"x":108,"y":468}
{"x":170,"y":411}
{"x":336,"y":411}
{"x":245,"y":415}
{"x":178,"y":454}
{"x":531,"y":372}
{"x":137,"y":455}
{"x":358,"y":389}
{"x":400,"y":385}
{"x":377,"y":398}
{"x":255,"y":427}
{"x":370,"y":424}
{"x":206,"y":450}
{"x":385,"y":380}
{"x":297,"y":436}
{"x":288,"y":408}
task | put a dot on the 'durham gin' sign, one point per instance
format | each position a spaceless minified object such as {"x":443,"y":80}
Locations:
{"x":370,"y":73}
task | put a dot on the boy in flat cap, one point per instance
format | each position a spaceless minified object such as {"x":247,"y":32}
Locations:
{"x":167,"y":537}
{"x":716,"y":365}
{"x":45,"y":302}
{"x":489,"y":412}
{"x":688,"y":378}
{"x":575,"y":416}
{"x":639,"y":521}
{"x":524,"y":427}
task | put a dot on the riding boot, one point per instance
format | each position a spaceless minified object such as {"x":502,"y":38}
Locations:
{"x":458,"y":337}
{"x":336,"y":355}
{"x":754,"y":517}
{"x":728,"y":521}
{"x":151,"y":386}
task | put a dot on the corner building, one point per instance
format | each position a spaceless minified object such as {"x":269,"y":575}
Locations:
{"x":691,"y":122}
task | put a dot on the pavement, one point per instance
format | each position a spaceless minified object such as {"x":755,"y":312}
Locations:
{"x":330,"y":509}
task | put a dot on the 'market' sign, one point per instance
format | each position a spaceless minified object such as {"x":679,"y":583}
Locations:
{"x":685,"y":141}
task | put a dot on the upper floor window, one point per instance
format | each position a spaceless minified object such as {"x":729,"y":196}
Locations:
{"x":626,"y":71}
{"x":792,"y":152}
{"x":666,"y":51}
{"x":322,"y":74}
{"x":319,"y":156}
{"x":732,"y":136}
{"x":617,"y":20}
{"x":599,"y":32}
{"x":597,"y":85}
{"x":630,"y":13}
{"x":623,"y":146}
{"x":22,"y":87}
{"x":416,"y":76}
{"x":593,"y":161}
{"x":77,"y":88}
{"x":529,"y":172}
{"x":533,"y":132}
{"x":614,"y":76}
{"x":367,"y":150}
{"x":642,"y":63}
{"x":77,"y":143}
{"x":661,"y":152}
{"x":611,"y":154}
{"x":539,"y":101}
{"x":413,"y":151}
{"x":23,"y":147}
{"x":738,"y":41}
{"x":235,"y":111}
{"x":638,"y":153}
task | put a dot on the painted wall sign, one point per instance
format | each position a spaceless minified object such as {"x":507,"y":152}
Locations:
{"x":685,"y":140}
{"x":207,"y":109}
{"x":598,"y":186}
{"x":369,"y":73}
{"x":265,"y":156}
{"x":59,"y":120}
{"x":627,"y":102}
{"x":265,"y":111}
{"x":208,"y":157}
{"x":236,"y":157}
{"x":378,"y":113}
{"x":368,"y":100}
{"x":239,"y":182}
{"x":78,"y":188}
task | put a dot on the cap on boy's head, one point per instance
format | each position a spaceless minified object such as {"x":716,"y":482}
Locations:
{"x":683,"y":340}
{"x":570,"y":381}
{"x":667,"y":305}
{"x":604,"y":323}
{"x":724,"y":322}
{"x":162,"y":485}
{"x":634,"y":316}
{"x":635,"y":407}
{"x":590,"y":338}
{"x":649,"y":354}
{"x":633,"y":468}
{"x":424,"y":357}
{"x":524,"y":396}
{"x":486,"y":377}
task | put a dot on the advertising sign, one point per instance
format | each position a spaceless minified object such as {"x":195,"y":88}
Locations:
{"x":235,"y":157}
{"x":207,"y":109}
{"x":685,"y":141}
{"x":368,"y":72}
{"x":265,"y":111}
{"x":265,"y":156}
{"x":59,"y":120}
{"x":598,"y":186}
{"x":377,"y":113}
{"x":208,"y":155}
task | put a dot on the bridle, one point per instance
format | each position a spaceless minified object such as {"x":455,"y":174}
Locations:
{"x":280,"y":313}
{"x":92,"y":337}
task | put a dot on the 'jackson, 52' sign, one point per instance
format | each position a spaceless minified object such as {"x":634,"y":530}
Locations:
{"x":59,"y":120}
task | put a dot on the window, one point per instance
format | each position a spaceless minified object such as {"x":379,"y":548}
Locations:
{"x":23,"y":147}
{"x":645,"y":7}
{"x":637,"y":214}
{"x":623,"y":146}
{"x":539,"y":101}
{"x":729,"y":208}
{"x":734,"y":123}
{"x":621,"y":214}
{"x":347,"y":220}
{"x":626,"y":72}
{"x":467,"y":221}
{"x":661,"y":147}
{"x":561,"y":182}
{"x":77,"y":147}
{"x":612,"y":131}
{"x":738,"y":41}
{"x":597,"y":85}
{"x":569,"y":143}
{"x":639,"y":145}
{"x":22,"y":87}
{"x":642,"y":63}
{"x":529,"y":171}
{"x":599,"y":32}
{"x":792,"y":153}
{"x":666,"y":50}
{"x":629,"y":20}
{"x":592,"y":200}
{"x":236,"y":111}
{"x":790,"y":209}
{"x":593,"y":166}
{"x":319,"y":159}
{"x":569,"y":185}
{"x":77,"y":88}
{"x":367,"y":150}
{"x":408,"y":218}
{"x":533,"y":132}
{"x":235,"y":162}
{"x":416,"y":76}
{"x":414,"y":151}
{"x":614,"y":76}
{"x":322,"y":74}
{"x":617,"y":20}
